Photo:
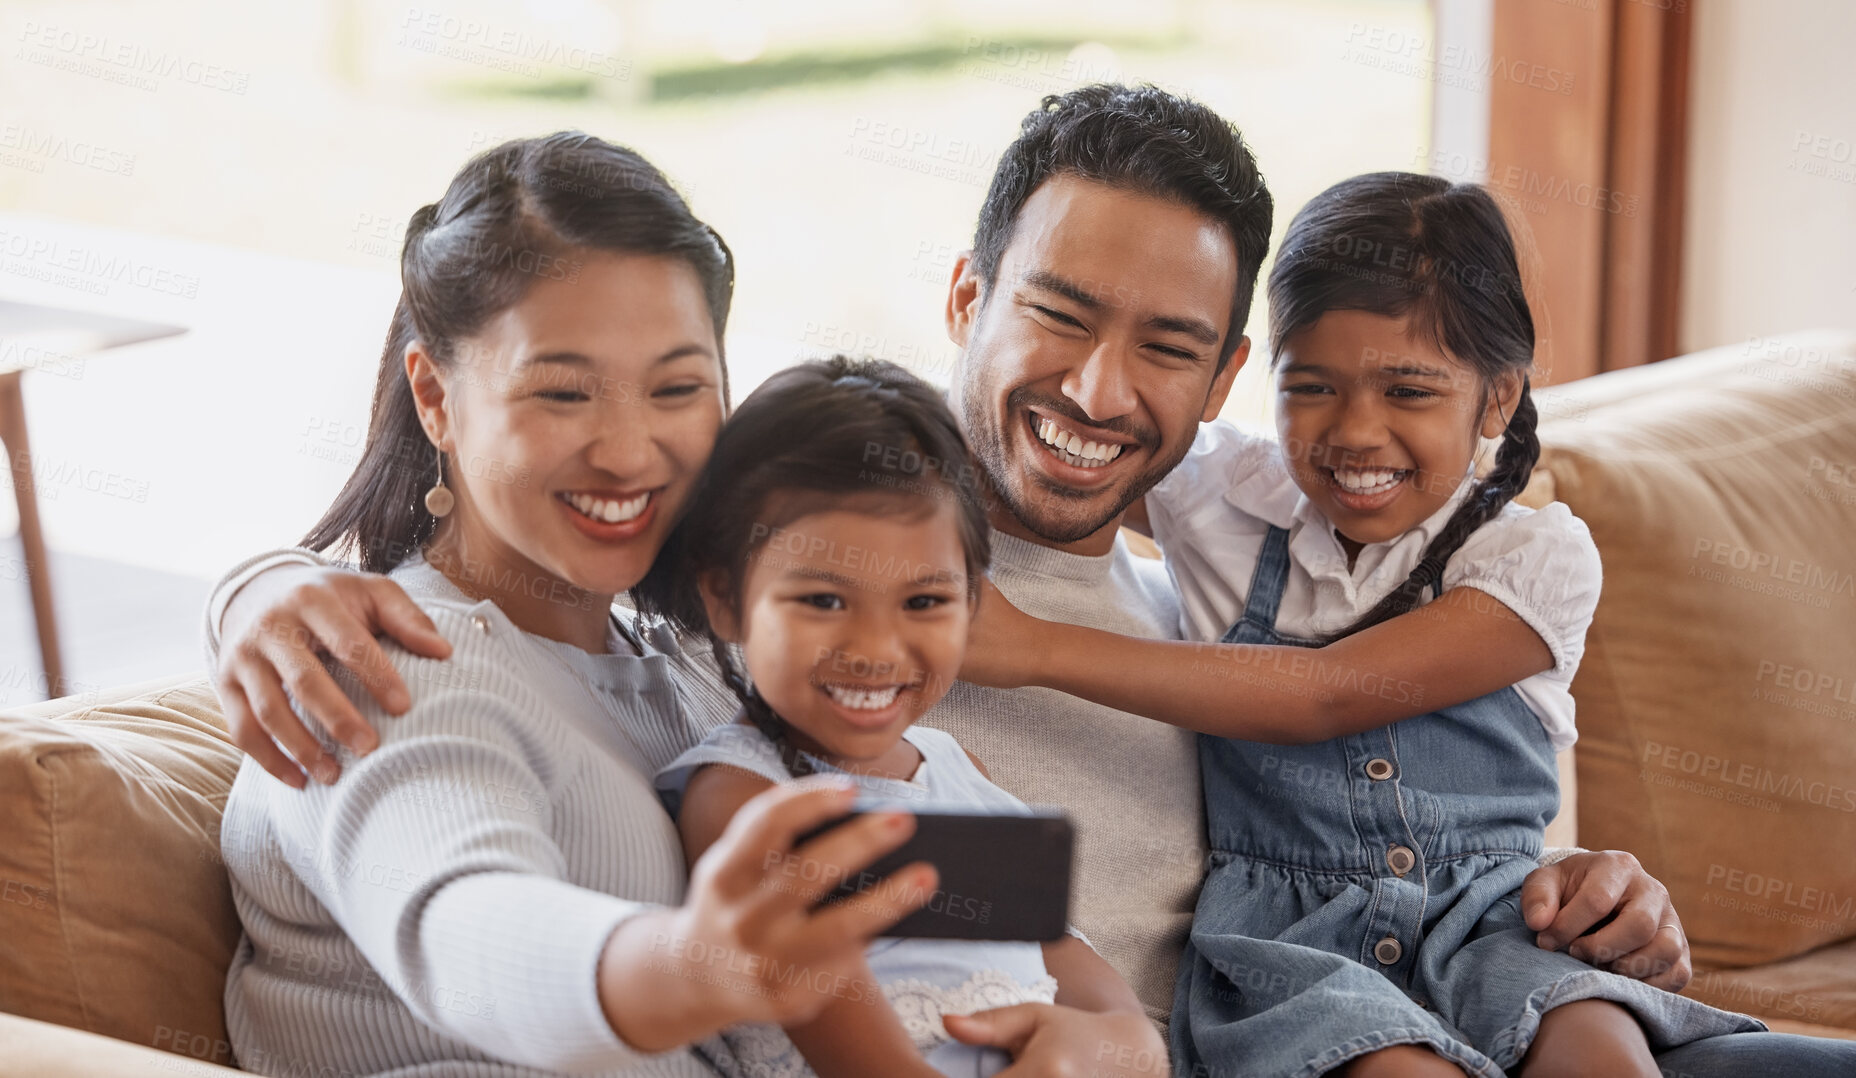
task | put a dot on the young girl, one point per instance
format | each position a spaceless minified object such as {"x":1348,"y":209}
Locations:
{"x":1363,"y":891}
{"x":836,"y":537}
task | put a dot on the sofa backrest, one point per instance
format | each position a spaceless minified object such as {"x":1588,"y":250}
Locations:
{"x":1717,"y":697}
{"x":115,"y":913}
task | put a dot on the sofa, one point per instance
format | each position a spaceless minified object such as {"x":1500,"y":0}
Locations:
{"x":1717,"y":710}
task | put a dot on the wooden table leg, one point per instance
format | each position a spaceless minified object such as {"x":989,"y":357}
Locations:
{"x":32,"y":538}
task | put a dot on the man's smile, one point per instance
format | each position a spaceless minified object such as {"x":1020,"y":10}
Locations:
{"x":1084,"y":453}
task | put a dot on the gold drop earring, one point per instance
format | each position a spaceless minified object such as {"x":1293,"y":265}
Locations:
{"x":439,"y":500}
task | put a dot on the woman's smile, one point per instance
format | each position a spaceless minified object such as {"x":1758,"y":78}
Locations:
{"x":608,"y":516}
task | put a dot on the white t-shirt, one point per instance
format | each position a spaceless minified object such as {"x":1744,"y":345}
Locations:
{"x":1210,"y":516}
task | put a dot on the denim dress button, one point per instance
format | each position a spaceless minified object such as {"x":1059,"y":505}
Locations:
{"x":1388,"y":951}
{"x":1379,"y":770}
{"x":1400,"y":859}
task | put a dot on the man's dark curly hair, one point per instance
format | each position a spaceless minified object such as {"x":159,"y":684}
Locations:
{"x":1141,"y":139}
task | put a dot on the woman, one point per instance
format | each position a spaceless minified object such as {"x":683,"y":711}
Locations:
{"x":495,"y":888}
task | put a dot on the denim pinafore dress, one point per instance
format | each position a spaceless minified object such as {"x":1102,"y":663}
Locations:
{"x":1364,"y":892}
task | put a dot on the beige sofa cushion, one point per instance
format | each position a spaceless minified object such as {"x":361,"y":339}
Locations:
{"x":115,"y":913}
{"x":32,"y":1049}
{"x":1816,"y":989}
{"x":1717,"y":697}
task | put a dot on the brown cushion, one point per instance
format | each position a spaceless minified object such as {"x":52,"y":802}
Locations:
{"x":1816,"y":989}
{"x":115,"y":913}
{"x":1717,"y":698}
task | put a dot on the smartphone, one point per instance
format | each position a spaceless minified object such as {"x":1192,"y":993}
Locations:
{"x":1001,"y":877}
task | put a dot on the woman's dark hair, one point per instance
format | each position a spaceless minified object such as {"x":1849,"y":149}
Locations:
{"x":513,"y":215}
{"x":1400,"y":244}
{"x":1140,"y":139}
{"x":819,"y":435}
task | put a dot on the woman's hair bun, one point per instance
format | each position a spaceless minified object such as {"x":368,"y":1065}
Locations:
{"x":423,"y":219}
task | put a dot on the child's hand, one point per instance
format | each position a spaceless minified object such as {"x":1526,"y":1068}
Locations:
{"x":1001,"y":643}
{"x":1047,"y":1039}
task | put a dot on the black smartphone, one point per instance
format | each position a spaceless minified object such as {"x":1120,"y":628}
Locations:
{"x":1001,"y":877}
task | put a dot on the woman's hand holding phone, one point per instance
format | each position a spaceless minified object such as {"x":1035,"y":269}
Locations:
{"x":747,"y":945}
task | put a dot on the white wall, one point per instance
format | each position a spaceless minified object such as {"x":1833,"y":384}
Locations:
{"x":1770,"y":240}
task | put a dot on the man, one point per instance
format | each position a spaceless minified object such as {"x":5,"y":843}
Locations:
{"x":1101,"y":317}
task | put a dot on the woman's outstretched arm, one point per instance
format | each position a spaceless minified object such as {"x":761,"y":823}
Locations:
{"x":435,"y":857}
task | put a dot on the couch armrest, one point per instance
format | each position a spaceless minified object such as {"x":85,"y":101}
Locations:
{"x":65,"y":705}
{"x":32,"y":1049}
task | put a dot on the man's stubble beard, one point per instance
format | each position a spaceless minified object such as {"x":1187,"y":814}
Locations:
{"x":987,"y":440}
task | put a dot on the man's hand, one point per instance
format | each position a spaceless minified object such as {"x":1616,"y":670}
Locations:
{"x":1643,"y":939}
{"x":277,"y":630}
{"x":1046,"y":1040}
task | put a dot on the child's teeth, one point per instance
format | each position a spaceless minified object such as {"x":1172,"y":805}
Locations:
{"x":864,"y":699}
{"x":1366,"y":481}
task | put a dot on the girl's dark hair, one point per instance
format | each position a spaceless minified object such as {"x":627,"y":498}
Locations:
{"x":818,"y":434}
{"x":1141,"y":139}
{"x":513,"y":215}
{"x":1400,"y":244}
